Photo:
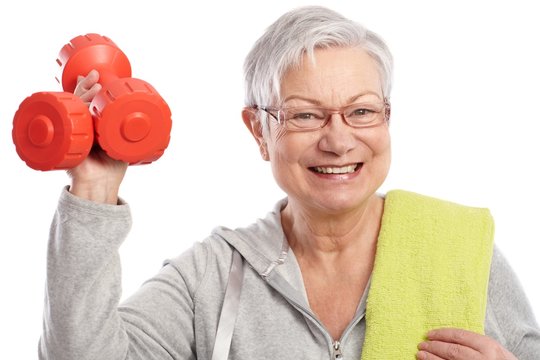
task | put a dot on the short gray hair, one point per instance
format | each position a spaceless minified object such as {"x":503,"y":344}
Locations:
{"x":300,"y":32}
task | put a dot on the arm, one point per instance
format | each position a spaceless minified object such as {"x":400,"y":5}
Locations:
{"x":82,"y":319}
{"x":83,"y":282}
{"x":513,"y":321}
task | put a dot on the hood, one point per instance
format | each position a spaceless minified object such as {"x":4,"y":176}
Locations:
{"x":264,"y":247}
{"x":262,"y":244}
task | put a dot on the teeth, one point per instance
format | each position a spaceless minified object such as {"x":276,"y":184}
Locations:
{"x":336,"y":170}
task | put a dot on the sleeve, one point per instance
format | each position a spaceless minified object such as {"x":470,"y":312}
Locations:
{"x":82,"y":316}
{"x":511,"y":319}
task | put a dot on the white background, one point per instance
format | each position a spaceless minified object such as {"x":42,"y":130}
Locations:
{"x":465,"y":125}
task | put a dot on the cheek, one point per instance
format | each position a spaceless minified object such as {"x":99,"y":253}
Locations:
{"x":289,"y":152}
{"x":281,"y":146}
{"x":278,"y":148}
{"x":382,"y":155}
{"x":379,"y":145}
{"x":276,"y":134}
{"x":378,"y":141}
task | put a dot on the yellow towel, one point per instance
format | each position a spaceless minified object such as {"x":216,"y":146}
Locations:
{"x":431,"y":270}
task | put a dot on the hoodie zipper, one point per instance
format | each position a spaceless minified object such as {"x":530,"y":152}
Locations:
{"x":336,"y":345}
{"x":338,"y":355}
{"x":337,"y":350}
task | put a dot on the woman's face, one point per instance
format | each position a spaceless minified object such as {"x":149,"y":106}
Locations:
{"x":337,"y":168}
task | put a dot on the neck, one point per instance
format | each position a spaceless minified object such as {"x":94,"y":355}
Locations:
{"x":315,"y":235}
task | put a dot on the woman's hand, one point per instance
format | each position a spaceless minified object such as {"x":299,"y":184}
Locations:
{"x":98,"y":177}
{"x":458,"y":344}
{"x":87,"y":87}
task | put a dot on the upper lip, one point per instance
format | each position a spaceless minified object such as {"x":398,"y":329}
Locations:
{"x":336,"y":166}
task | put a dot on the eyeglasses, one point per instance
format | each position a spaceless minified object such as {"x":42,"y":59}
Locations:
{"x":309,"y":118}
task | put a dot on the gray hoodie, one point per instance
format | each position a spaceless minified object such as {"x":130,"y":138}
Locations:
{"x":174,"y":315}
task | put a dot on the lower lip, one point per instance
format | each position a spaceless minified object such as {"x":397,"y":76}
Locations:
{"x":339,"y":177}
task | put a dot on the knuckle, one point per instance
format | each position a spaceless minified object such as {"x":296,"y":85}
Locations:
{"x":454,"y":351}
{"x":458,"y":335}
{"x":79,"y":90}
{"x":502,"y":353}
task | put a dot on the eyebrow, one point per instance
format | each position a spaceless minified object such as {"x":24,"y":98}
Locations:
{"x":318,"y":103}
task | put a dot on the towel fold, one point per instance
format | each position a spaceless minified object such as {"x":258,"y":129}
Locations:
{"x":431,"y":270}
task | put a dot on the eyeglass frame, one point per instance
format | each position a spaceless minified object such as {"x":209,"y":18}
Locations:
{"x":329,"y":112}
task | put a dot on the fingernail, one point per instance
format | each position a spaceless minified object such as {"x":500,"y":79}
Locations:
{"x":421,"y":355}
{"x":423,"y":346}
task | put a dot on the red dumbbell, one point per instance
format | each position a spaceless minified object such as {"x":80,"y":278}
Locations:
{"x":128,"y":119}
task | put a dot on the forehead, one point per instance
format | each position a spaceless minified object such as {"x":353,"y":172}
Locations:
{"x":333,"y":75}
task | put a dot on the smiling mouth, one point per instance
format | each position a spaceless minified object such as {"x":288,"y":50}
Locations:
{"x":348,"y":169}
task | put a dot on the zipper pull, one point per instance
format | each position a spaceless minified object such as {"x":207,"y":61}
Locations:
{"x":337,"y":351}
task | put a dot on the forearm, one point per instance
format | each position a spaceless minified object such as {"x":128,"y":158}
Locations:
{"x":509,"y":317}
{"x":83,"y":282}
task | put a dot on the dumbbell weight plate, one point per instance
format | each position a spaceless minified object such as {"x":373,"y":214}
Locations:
{"x":132,"y":122}
{"x":91,"y":51}
{"x":52,"y":130}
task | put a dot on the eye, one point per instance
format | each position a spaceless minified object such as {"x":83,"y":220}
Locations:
{"x":358,"y":112}
{"x":303,"y":116}
{"x":306,"y":115}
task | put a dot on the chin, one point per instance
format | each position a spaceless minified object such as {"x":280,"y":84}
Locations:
{"x":342,"y":203}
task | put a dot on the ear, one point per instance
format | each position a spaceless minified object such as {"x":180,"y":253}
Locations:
{"x":253,"y":123}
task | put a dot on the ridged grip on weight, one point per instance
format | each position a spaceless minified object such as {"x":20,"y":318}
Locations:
{"x":132,"y":122}
{"x":52,"y":130}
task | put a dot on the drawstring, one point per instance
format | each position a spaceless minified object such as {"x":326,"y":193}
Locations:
{"x":229,"y":311}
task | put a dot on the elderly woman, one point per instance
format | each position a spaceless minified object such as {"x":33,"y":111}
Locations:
{"x":331,"y":273}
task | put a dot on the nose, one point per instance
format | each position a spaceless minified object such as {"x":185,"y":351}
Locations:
{"x":337,"y":137}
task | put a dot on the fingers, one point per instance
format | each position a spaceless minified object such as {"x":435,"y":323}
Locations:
{"x":434,"y":350}
{"x":423,"y":355}
{"x":459,"y":344}
{"x":87,"y":87}
{"x":458,"y":336}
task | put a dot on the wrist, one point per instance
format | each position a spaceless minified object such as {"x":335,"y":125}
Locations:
{"x":99,"y":193}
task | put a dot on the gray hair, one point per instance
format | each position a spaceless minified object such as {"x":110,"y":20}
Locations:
{"x":300,"y":32}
